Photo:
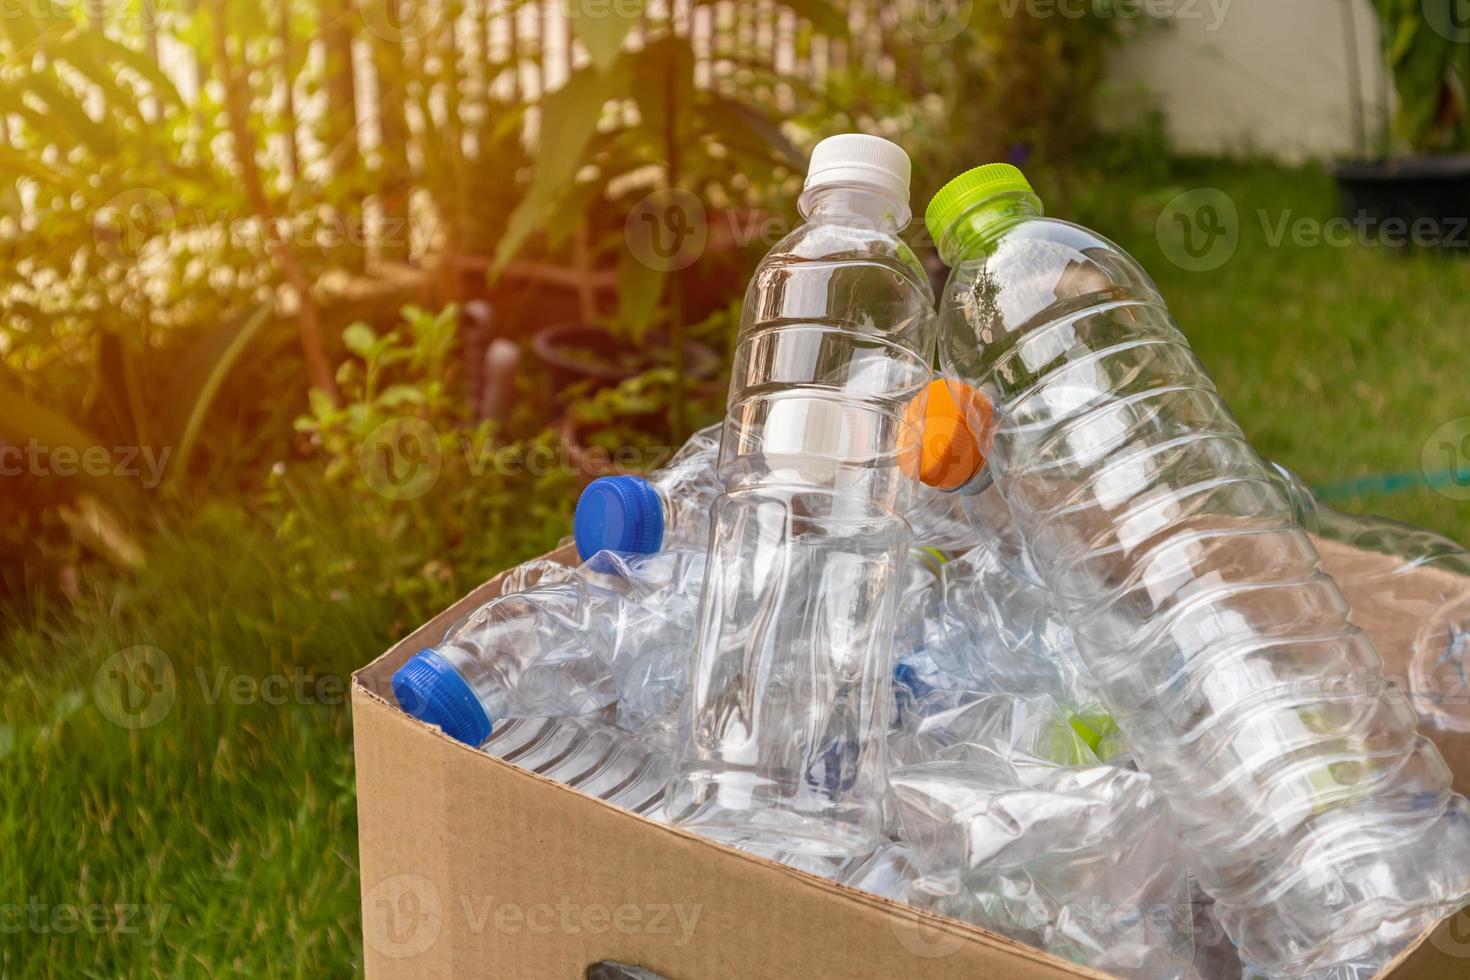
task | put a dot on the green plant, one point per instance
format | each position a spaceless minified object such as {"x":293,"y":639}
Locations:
{"x":405,"y":467}
{"x":392,"y":377}
{"x":722,"y":148}
{"x":156,"y":175}
{"x":155,"y":180}
{"x":1427,"y":51}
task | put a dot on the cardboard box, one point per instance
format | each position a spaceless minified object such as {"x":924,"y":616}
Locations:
{"x":474,"y":868}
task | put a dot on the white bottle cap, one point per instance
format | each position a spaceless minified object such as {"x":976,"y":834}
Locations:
{"x":856,"y":158}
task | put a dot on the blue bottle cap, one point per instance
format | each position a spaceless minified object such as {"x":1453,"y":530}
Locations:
{"x":908,"y":678}
{"x":431,"y":690}
{"x":618,"y":513}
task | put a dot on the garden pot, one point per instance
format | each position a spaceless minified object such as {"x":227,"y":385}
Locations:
{"x":1419,"y":203}
{"x":574,"y":352}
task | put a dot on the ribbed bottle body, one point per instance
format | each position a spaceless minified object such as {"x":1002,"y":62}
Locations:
{"x":782,"y":739}
{"x":1314,"y":813}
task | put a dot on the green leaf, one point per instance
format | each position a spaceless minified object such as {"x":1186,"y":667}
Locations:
{"x":160,"y":85}
{"x":663,"y":84}
{"x":568,"y":119}
{"x":401,"y":394}
{"x":748,"y":131}
{"x":1403,"y":39}
{"x":25,"y":421}
{"x":570,"y":211}
{"x":189,"y":395}
{"x":1429,"y":71}
{"x":359,"y":338}
{"x":526,"y":218}
{"x":639,"y":290}
{"x":603,"y":28}
{"x":65,"y":109}
{"x":120,"y":390}
{"x":322,"y":406}
{"x":82,"y":49}
{"x":20,"y":25}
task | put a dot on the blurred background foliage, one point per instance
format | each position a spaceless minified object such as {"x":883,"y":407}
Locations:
{"x":200,"y":197}
{"x":378,"y":284}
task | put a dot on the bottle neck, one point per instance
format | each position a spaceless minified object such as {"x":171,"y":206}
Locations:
{"x":975,"y":232}
{"x":855,"y":205}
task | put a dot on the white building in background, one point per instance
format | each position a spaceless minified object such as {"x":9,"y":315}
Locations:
{"x":1267,"y":77}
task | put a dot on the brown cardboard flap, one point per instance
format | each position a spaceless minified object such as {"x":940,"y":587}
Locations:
{"x":471,"y":867}
{"x":474,"y":868}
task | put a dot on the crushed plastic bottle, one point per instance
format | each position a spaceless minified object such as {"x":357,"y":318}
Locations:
{"x":976,"y":629}
{"x":616,"y":629}
{"x":538,"y":571}
{"x":1313,"y":812}
{"x":1078,"y":860}
{"x":589,"y":755}
{"x":782,"y":737}
{"x":668,"y":509}
{"x":1034,"y":723}
{"x":1425,"y":587}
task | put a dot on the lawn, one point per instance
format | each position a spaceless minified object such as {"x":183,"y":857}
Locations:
{"x":192,"y":811}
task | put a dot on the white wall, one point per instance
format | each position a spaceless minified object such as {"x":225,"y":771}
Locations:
{"x":1257,"y":76}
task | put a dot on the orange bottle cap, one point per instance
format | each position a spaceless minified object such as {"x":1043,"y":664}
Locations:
{"x":950,"y":453}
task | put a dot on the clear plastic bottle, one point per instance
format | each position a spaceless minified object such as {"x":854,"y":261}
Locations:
{"x":671,"y":506}
{"x":590,"y":756}
{"x":782,"y":734}
{"x":1314,"y":813}
{"x":667,"y":509}
{"x":1420,"y":592}
{"x":1425,"y":586}
{"x":618,"y":628}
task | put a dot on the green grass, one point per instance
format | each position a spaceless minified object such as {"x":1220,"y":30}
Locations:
{"x":234,"y":823}
{"x":228,"y":816}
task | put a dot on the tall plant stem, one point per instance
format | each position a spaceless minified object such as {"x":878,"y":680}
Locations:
{"x":287,"y":261}
{"x":673,"y":281}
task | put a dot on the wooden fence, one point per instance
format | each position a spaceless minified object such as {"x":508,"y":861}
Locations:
{"x":383,"y":88}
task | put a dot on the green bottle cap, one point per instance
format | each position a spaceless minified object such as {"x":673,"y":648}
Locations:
{"x":969,"y":189}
